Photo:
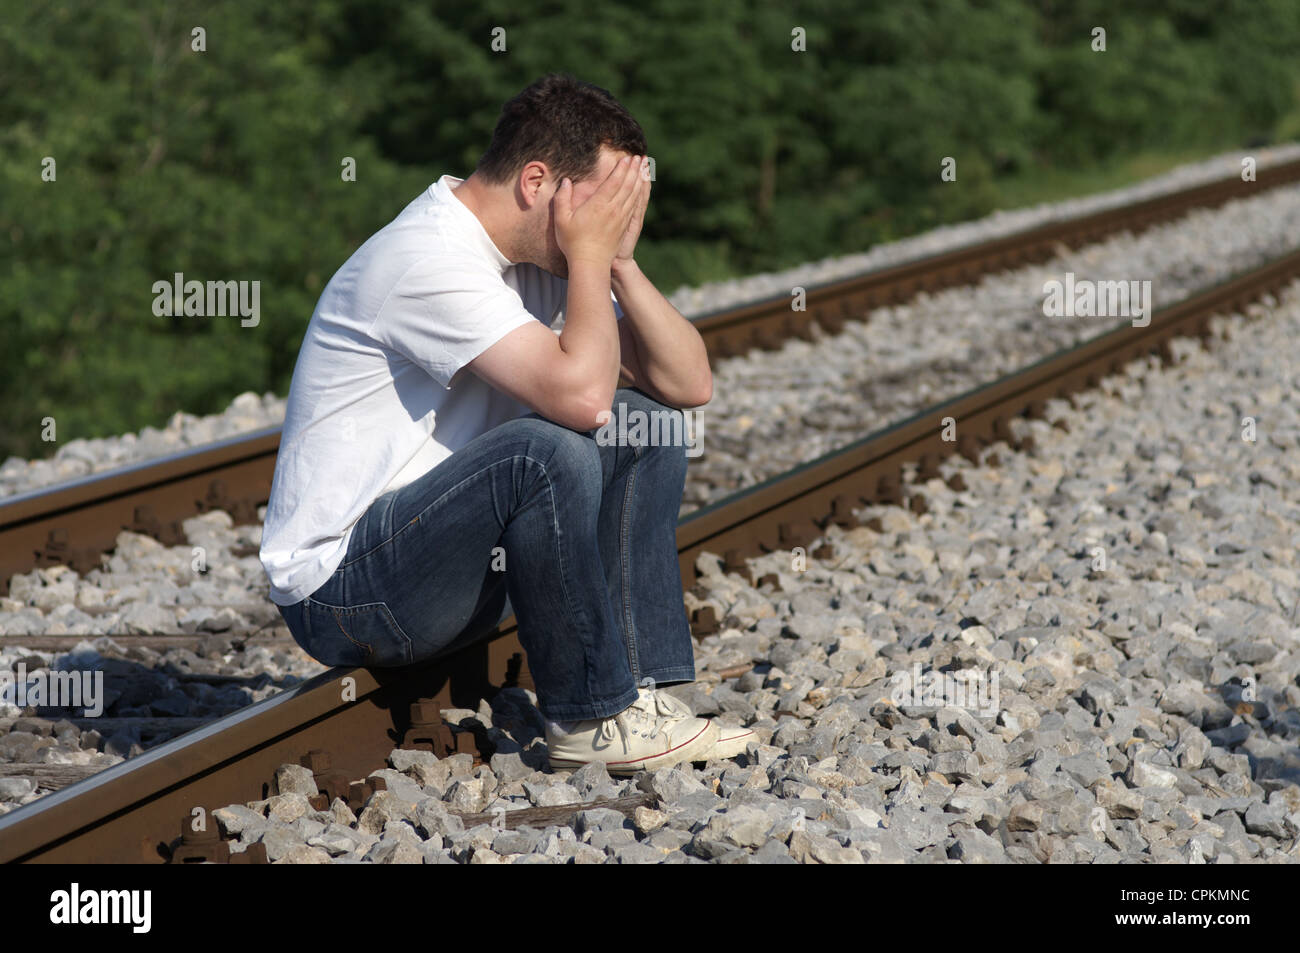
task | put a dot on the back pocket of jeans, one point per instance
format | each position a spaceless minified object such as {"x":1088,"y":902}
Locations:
{"x":365,"y":635}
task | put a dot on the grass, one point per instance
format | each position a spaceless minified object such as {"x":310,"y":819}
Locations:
{"x":1056,"y":184}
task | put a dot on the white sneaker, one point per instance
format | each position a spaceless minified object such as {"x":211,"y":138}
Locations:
{"x":655,"y":731}
{"x":732,"y":739}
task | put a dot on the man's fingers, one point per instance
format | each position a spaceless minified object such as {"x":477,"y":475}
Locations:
{"x":620,"y":183}
{"x":632,"y":193}
{"x":614,"y":181}
{"x":630,"y":186}
{"x":634,"y":171}
{"x":564,"y":197}
{"x":623,"y":173}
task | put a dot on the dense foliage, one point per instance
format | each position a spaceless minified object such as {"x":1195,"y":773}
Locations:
{"x":225,"y":163}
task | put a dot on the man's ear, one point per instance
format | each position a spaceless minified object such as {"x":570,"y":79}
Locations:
{"x":532,"y":182}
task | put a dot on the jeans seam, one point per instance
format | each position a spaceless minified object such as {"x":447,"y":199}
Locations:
{"x":409,"y":648}
{"x":559,"y":551}
{"x":559,"y":559}
{"x":625,"y":559}
{"x":338,"y":612}
{"x":339,"y":622}
{"x":335,"y":615}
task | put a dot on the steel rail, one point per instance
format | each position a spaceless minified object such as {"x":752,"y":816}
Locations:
{"x":133,"y":812}
{"x":75,"y":523}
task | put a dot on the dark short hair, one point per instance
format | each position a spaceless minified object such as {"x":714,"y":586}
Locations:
{"x":563,"y":122}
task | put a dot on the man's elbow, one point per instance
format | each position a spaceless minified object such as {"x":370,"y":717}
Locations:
{"x":706,"y":391}
{"x":701,"y":392}
{"x":588,"y":409}
{"x":683,"y":395}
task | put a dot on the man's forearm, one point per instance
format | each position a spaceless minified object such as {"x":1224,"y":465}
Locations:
{"x":671,"y":352}
{"x":590,"y":334}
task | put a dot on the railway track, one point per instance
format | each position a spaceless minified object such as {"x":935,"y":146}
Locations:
{"x":343,"y":723}
{"x":75,"y":523}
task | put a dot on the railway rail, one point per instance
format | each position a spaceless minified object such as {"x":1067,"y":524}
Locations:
{"x":343,"y":723}
{"x":75,"y":523}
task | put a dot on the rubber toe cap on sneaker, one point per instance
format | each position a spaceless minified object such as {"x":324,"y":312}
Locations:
{"x":695,"y":740}
{"x":732,"y":741}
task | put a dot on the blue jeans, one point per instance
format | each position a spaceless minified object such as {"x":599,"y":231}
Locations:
{"x":578,"y":539}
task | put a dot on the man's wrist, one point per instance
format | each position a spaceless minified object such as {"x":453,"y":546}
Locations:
{"x":621,"y":267}
{"x":590,"y":263}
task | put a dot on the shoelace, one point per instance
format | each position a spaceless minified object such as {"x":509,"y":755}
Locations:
{"x":671,"y":706}
{"x":649,"y":704}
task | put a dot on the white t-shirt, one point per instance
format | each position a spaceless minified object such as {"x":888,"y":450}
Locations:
{"x":370,"y":407}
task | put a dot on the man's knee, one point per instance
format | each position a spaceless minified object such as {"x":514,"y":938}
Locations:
{"x":661,"y":432}
{"x":634,"y":399}
{"x":557,"y":448}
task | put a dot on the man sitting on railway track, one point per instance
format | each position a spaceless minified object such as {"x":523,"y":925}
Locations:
{"x":416,"y":501}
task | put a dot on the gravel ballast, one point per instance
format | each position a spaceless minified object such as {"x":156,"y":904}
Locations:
{"x":1146,"y":711}
{"x":1144,"y":708}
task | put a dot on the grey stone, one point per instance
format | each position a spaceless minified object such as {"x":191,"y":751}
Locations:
{"x":1143,"y":774}
{"x":636,"y":854}
{"x":551,"y":795}
{"x":1118,"y":801}
{"x":1251,"y":651}
{"x":435,"y":820}
{"x":382,"y":807}
{"x":606,"y":840}
{"x":469,"y":795}
{"x":1087,"y":769}
{"x":307,"y":827}
{"x":278,"y":842}
{"x":772,"y":852}
{"x":647,"y":819}
{"x":586,"y":854}
{"x":237,"y":818}
{"x":1027,"y":816}
{"x":1233,"y":828}
{"x":295,"y":779}
{"x":15,"y":789}
{"x":464,"y":845}
{"x":668,"y":839}
{"x":287,"y":808}
{"x":669,"y":785}
{"x":399,"y":784}
{"x":809,"y":848}
{"x":510,"y":766}
{"x":304,"y":854}
{"x":1267,"y":820}
{"x":401,"y":830}
{"x":976,"y":847}
{"x":600,"y":819}
{"x":341,"y":813}
{"x":337,"y":839}
{"x":521,"y":840}
{"x":1229,"y":736}
{"x":738,"y":826}
{"x":955,"y":765}
{"x":1100,"y":694}
{"x":592,"y":781}
{"x":917,"y":829}
{"x":881,"y":847}
{"x":404,"y":759}
{"x":395,"y":850}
